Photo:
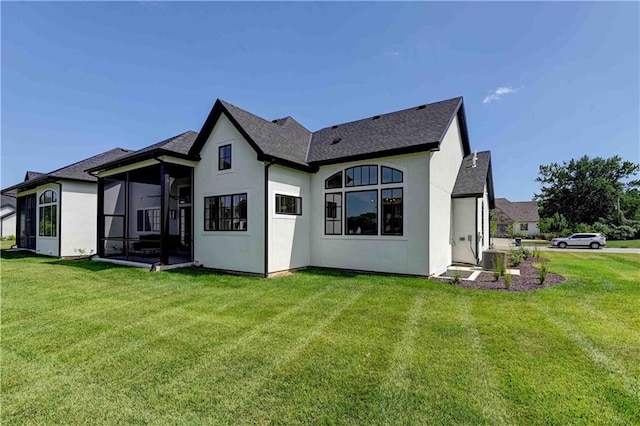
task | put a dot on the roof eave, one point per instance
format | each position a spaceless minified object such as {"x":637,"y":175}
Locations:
{"x":151,"y":154}
{"x":431,"y":146}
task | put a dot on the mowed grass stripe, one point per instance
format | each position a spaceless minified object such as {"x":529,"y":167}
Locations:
{"x":630,"y":384}
{"x":488,"y":396}
{"x":243,"y":393}
{"x":396,"y":382}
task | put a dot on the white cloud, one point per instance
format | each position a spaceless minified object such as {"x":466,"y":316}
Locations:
{"x":497,"y":94}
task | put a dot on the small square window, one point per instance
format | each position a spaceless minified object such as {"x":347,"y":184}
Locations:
{"x":224,"y":157}
{"x":286,"y":204}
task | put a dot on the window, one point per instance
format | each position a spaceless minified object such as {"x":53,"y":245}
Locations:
{"x":286,"y":204}
{"x":362,"y":212}
{"x":361,"y":175}
{"x":224,"y":157}
{"x":225,"y":213}
{"x":48,"y":211}
{"x":333,"y":214}
{"x":184,"y":195}
{"x":148,"y":220}
{"x":524,"y":226}
{"x":392,"y":211}
{"x":334,"y":181}
{"x":390,"y":175}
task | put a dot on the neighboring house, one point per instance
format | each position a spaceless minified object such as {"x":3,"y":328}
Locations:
{"x":7,"y":216}
{"x":56,"y":211}
{"x":523,"y":215}
{"x":398,"y":193}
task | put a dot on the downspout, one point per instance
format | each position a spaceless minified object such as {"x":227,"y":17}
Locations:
{"x":266,"y":216}
{"x":59,"y":220}
{"x":476,"y":236}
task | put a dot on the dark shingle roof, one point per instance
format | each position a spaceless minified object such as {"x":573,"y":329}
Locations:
{"x":471,"y":180}
{"x":411,"y":127}
{"x":284,"y":138}
{"x":31,"y":175}
{"x":75,"y":171}
{"x":178,"y":145}
{"x":7,"y":201}
{"x":519,"y":211}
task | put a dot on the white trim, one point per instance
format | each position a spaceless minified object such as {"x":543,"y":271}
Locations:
{"x":134,"y":166}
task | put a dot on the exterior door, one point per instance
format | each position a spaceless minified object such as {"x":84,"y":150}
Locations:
{"x":27,"y":222}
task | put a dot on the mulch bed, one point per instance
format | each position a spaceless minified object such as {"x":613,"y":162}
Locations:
{"x":527,"y":280}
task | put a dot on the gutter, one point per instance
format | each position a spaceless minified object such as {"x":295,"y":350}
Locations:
{"x":267,"y":165}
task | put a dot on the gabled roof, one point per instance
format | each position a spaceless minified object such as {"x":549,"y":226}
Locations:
{"x":75,"y":171}
{"x":31,"y":175}
{"x":7,"y":201}
{"x":416,"y":129}
{"x":471,"y":180}
{"x":176,"y":146}
{"x":519,"y":211}
{"x":283,"y":139}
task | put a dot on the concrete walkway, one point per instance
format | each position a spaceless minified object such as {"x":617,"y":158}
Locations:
{"x":507,"y":244}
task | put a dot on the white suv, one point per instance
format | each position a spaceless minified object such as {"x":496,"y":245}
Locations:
{"x":593,"y":240}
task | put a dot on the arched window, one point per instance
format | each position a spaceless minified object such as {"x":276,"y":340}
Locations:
{"x":334,"y":181}
{"x":48,"y":211}
{"x":390,"y":175}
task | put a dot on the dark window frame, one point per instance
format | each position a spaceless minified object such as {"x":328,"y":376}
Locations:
{"x":346,"y":209}
{"x":337,"y":217}
{"x":225,"y":159}
{"x":297,"y":203}
{"x":213,"y":217}
{"x":358,"y":174}
{"x":326,"y":181}
{"x":382,"y":222}
{"x":393,"y":174}
{"x":48,"y":214}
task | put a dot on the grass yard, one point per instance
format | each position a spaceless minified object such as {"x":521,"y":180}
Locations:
{"x":623,"y":244}
{"x":87,"y":343}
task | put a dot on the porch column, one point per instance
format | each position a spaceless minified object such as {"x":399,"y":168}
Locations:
{"x":165,"y":186}
{"x":100,"y":233}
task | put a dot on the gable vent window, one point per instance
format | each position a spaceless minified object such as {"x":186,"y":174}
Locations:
{"x":224,"y":157}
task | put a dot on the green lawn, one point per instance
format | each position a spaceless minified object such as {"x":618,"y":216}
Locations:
{"x":624,"y":244}
{"x":88,"y":343}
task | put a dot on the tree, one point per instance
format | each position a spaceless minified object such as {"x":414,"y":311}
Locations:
{"x":587,"y":190}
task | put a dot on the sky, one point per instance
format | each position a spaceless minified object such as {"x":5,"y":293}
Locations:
{"x":542,"y":82}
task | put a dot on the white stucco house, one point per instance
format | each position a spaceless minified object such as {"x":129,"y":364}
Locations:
{"x":7,"y":216}
{"x":400,"y":192}
{"x":56,"y":211}
{"x":521,"y":216}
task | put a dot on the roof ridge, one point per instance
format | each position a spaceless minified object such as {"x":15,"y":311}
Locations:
{"x":388,"y":113}
{"x":83,"y":160}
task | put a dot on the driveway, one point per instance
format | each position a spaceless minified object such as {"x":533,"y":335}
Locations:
{"x":506,"y":244}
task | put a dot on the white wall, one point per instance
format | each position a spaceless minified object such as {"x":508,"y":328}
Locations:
{"x":406,"y":254}
{"x":464,"y":230}
{"x":487,"y":225}
{"x":79,"y":209}
{"x":533,"y":228}
{"x":289,"y":235}
{"x":8,"y":225}
{"x":230,"y":250}
{"x":444,"y":166}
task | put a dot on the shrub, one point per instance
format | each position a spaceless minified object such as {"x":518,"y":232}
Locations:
{"x":542,"y":273}
{"x":622,"y":232}
{"x":516,"y":257}
{"x":536,"y":253}
{"x":507,"y":281}
{"x":582,"y":227}
{"x":456,"y":277}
